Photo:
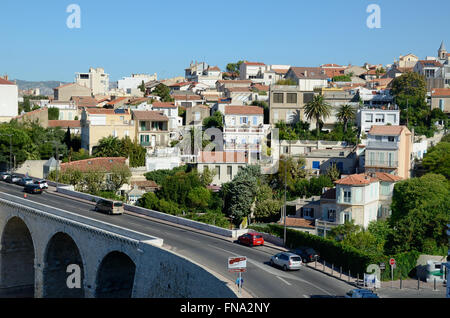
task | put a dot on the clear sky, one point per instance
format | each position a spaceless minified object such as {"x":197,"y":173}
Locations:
{"x":147,"y":36}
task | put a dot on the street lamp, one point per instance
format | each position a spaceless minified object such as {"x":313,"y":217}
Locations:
{"x":10,"y":151}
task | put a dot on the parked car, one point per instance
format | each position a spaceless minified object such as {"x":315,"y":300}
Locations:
{"x":42,"y":183}
{"x":307,"y":254}
{"x":286,"y":260}
{"x":359,"y":293}
{"x":251,"y":239}
{"x":4,"y":175}
{"x":24,"y":181}
{"x":109,"y":207}
{"x":32,"y":188}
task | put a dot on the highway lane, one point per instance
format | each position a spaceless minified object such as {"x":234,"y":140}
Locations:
{"x":260,"y":280}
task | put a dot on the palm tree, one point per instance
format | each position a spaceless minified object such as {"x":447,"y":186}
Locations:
{"x":109,"y":147}
{"x":345,"y":114}
{"x":317,"y":109}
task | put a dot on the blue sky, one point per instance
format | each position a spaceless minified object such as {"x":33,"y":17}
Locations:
{"x":148,"y":36}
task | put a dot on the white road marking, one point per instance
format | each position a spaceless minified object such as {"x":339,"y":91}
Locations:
{"x":284,"y":281}
{"x":272,"y":270}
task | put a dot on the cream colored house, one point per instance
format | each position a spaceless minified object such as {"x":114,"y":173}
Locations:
{"x":151,"y":129}
{"x":96,"y":80}
{"x":97,"y":123}
{"x":389,"y":150}
{"x":225,"y":164}
{"x":65,"y":92}
{"x":286,"y":103}
{"x":440,"y":98}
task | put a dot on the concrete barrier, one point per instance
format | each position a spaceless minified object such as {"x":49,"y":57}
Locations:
{"x":67,"y":190}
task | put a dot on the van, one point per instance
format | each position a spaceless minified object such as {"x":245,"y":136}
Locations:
{"x":109,"y":207}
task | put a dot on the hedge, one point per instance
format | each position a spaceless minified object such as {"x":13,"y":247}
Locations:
{"x":343,"y":255}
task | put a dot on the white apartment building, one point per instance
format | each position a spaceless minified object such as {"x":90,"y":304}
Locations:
{"x":203,"y":73}
{"x":96,"y":79}
{"x":9,"y":106}
{"x":261,"y":73}
{"x":130,"y":85}
{"x":171,"y":111}
{"x":244,"y":128}
{"x":368,"y":117}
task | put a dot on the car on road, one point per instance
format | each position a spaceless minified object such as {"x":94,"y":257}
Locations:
{"x":109,"y":207}
{"x":307,"y":254}
{"x":24,"y":181}
{"x":251,"y":239}
{"x":42,"y":183}
{"x":12,"y":178}
{"x":4,"y":175}
{"x":287,"y":261}
{"x":32,"y":188}
{"x":360,"y":293}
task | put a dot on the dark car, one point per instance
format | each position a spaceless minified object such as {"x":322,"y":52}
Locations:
{"x":24,"y":181}
{"x":251,"y":239}
{"x":12,"y":178}
{"x":32,"y":188}
{"x":307,"y":254}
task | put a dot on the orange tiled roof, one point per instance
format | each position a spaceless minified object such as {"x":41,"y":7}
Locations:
{"x":149,"y":115}
{"x":187,"y":97}
{"x":387,"y":130}
{"x":383,"y":176}
{"x":5,"y":82}
{"x":244,"y":110}
{"x":254,"y":63}
{"x":440,"y":92}
{"x":356,"y":179}
{"x":299,"y":222}
{"x":64,"y":123}
{"x":164,"y":105}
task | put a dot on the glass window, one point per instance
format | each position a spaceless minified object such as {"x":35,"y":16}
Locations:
{"x":292,"y":98}
{"x":391,"y":138}
{"x":255,"y":120}
{"x":347,"y":196}
{"x":316,"y":165}
{"x":278,"y":97}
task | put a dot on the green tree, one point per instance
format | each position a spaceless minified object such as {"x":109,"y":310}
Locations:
{"x":437,"y":159}
{"x":420,"y":213}
{"x":164,"y":92}
{"x":199,"y":197}
{"x":109,"y":147}
{"x":118,"y":176}
{"x":294,"y":171}
{"x":53,"y":113}
{"x":345,"y":114}
{"x":216,"y":120}
{"x":317,"y":109}
{"x":333,"y":172}
{"x":207,"y":176}
{"x":142,"y":87}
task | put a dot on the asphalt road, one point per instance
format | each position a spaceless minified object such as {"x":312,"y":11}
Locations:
{"x":260,"y":280}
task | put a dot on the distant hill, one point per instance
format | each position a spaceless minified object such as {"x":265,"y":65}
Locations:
{"x":46,"y":87}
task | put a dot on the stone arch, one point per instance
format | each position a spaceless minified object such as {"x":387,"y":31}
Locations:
{"x":62,"y":251}
{"x":115,"y":276}
{"x":17,"y":257}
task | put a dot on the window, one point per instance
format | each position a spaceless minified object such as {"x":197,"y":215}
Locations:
{"x":292,"y":98}
{"x":197,"y":116}
{"x":243,"y":120}
{"x":347,"y":196}
{"x":286,"y":150}
{"x":255,"y":120}
{"x":307,"y":213}
{"x":229,"y":171}
{"x":275,"y":116}
{"x":378,"y":138}
{"x":218,"y":172}
{"x":316,"y":165}
{"x":369,"y":118}
{"x":278,"y":97}
{"x":391,"y":138}
{"x":331,"y":215}
{"x":441,"y":104}
{"x":346,"y":217}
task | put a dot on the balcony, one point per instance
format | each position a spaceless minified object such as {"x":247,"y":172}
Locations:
{"x":239,"y":146}
{"x":382,"y":145}
{"x":326,"y":224}
{"x":381,"y":164}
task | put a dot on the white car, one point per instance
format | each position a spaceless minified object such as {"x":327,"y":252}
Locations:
{"x":42,"y":184}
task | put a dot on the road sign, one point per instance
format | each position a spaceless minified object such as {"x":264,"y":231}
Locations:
{"x":392,"y":262}
{"x":382,"y":266}
{"x":237,"y":264}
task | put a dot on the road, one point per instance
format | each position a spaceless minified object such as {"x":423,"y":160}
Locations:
{"x":260,"y":280}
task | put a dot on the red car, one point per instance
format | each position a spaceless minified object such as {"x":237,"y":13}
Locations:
{"x":251,"y":239}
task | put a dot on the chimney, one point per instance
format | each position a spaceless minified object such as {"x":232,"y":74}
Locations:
{"x":306,"y":73}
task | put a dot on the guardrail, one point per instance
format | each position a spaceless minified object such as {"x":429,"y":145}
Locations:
{"x":159,"y":215}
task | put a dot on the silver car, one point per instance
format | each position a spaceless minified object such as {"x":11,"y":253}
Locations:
{"x":287,"y":261}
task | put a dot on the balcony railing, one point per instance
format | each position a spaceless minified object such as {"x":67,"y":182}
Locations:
{"x":382,"y":163}
{"x":244,"y":130}
{"x":231,"y":145}
{"x":326,"y":224}
{"x":382,"y":145}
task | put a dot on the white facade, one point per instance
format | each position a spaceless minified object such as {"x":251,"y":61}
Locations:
{"x":420,"y":149}
{"x":366,"y":118}
{"x":308,"y":84}
{"x":130,"y":84}
{"x":97,"y":80}
{"x":9,"y":106}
